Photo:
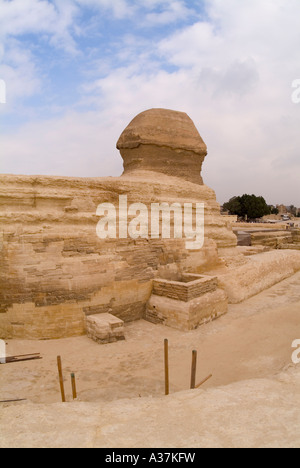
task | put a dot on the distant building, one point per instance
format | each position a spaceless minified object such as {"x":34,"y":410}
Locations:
{"x":282,"y":209}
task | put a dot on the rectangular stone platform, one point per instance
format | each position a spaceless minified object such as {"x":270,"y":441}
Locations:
{"x":189,"y":287}
{"x":186,"y":304}
{"x":105,"y":328}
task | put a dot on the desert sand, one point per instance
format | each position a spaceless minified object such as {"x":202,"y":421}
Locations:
{"x":252,"y":400}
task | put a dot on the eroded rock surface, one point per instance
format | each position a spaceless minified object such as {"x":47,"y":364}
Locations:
{"x":164,"y":141}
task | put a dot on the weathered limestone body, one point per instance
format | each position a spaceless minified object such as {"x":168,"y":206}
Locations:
{"x":55,"y":270}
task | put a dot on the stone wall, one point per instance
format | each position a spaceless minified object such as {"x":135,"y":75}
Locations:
{"x":53,"y":267}
{"x":188,"y":288}
{"x":271,"y":239}
{"x":257,"y":273}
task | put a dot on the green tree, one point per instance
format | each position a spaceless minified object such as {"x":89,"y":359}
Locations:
{"x":274,"y":210}
{"x":248,"y":205}
{"x":233,"y":206}
{"x":293,"y":210}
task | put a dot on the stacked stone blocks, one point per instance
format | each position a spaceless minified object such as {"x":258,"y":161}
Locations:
{"x":186,"y":304}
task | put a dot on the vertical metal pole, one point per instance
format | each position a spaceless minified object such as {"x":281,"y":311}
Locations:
{"x":167,"y":384}
{"x":73,"y":386}
{"x":61,"y":380}
{"x":194,"y":368}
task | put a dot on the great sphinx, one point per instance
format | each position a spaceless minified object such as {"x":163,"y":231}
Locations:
{"x":56,"y":271}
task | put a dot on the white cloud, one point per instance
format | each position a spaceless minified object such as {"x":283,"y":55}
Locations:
{"x":74,"y":145}
{"x":19,"y":66}
{"x":196,"y":45}
{"x":20,"y":74}
{"x":25,"y":16}
{"x":63,"y":30}
{"x":232,"y":73}
{"x":172,"y":11}
{"x":119,"y":8}
{"x":19,"y":17}
{"x":237,"y":88}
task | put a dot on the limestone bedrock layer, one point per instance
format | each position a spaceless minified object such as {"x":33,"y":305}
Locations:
{"x":55,"y":270}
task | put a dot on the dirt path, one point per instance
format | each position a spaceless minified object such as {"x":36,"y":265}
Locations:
{"x":252,"y":341}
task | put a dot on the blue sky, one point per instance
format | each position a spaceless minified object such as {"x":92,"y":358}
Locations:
{"x":77,"y":72}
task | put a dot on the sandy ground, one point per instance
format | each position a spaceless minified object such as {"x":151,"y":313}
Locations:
{"x":252,"y":413}
{"x":246,"y":351}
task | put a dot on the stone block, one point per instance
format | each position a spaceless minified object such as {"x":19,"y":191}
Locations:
{"x":187,"y":316}
{"x":105,"y":328}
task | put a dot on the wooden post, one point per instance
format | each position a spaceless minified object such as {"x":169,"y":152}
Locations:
{"x":12,"y":401}
{"x":167,"y":384}
{"x":73,"y":386}
{"x":203,"y":381}
{"x":61,"y":380}
{"x":194,"y":369}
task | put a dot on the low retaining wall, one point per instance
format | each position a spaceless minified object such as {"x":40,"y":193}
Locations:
{"x":260,"y":272}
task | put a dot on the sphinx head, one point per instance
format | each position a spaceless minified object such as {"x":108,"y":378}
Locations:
{"x":163,"y":141}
